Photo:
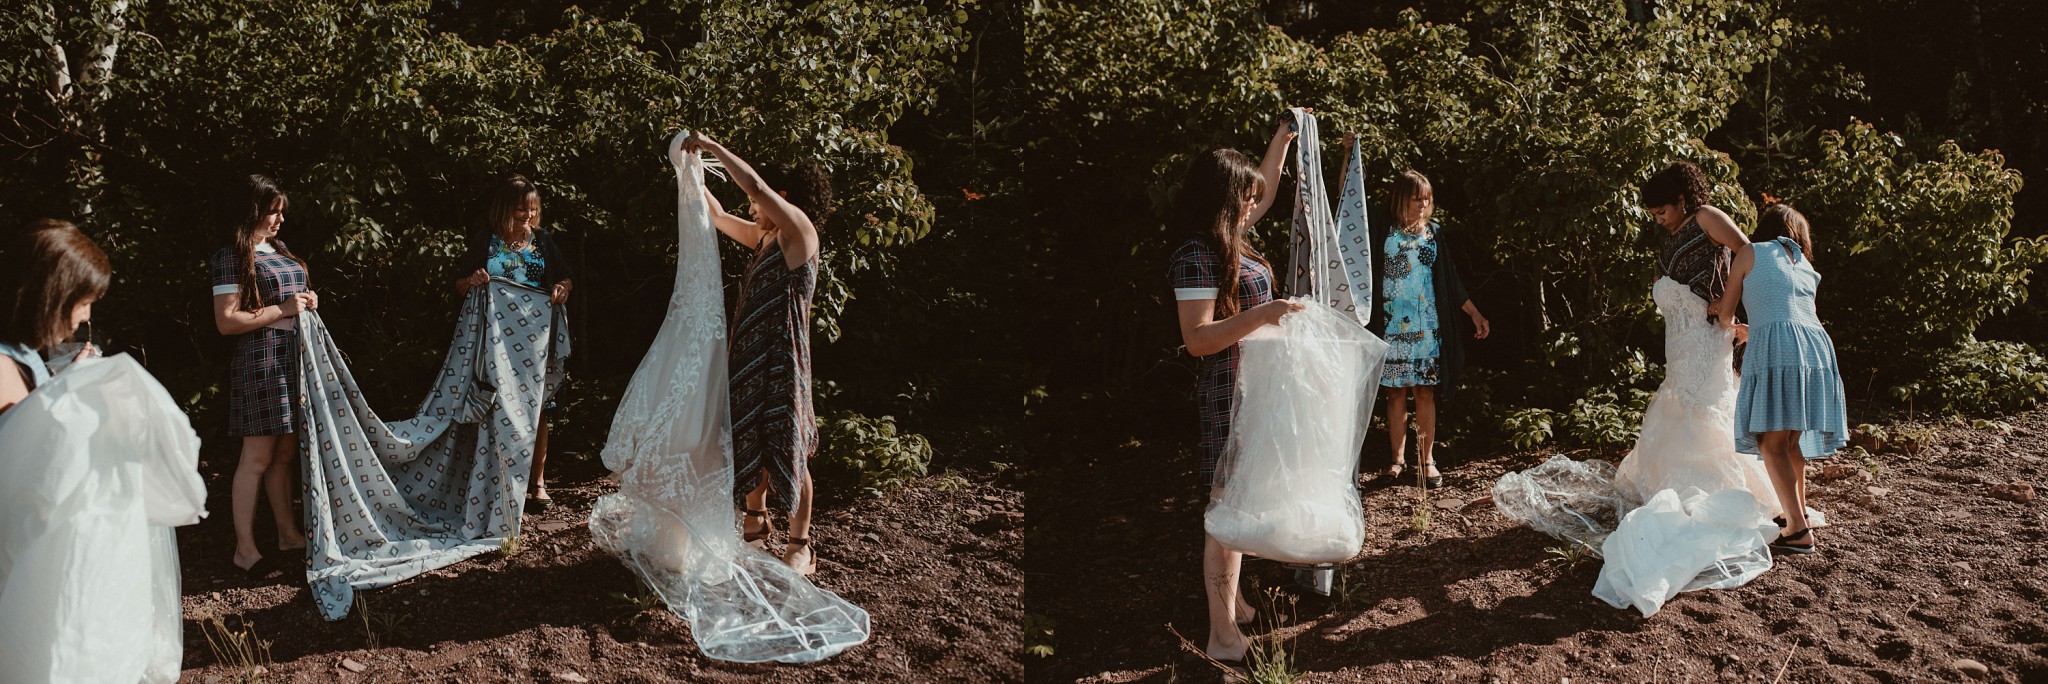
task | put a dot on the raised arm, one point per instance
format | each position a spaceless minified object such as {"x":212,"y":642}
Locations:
{"x":1270,"y":168}
{"x":740,"y":230}
{"x":800,"y":241}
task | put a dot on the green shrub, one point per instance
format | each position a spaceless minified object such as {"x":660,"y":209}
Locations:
{"x":870,"y":451}
{"x":1980,"y":377}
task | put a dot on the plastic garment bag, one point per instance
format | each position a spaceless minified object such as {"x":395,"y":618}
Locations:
{"x":1305,"y":396}
{"x":672,"y":520}
{"x":96,"y":468}
{"x":1303,"y":407}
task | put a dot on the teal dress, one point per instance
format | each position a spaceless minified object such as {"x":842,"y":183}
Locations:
{"x":1789,"y":377}
{"x":31,"y":363}
{"x":1414,"y":347}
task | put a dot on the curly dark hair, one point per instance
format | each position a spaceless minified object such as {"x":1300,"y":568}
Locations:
{"x":806,"y":185}
{"x":1682,"y":183}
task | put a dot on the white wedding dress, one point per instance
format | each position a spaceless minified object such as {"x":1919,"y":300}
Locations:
{"x":1683,"y":511}
{"x":672,"y":520}
{"x":96,"y":468}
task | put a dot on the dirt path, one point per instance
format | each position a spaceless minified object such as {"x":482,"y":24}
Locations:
{"x":936,"y":568}
{"x":1916,"y":574}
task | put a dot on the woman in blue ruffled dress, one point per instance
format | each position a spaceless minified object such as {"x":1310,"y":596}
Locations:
{"x":1790,"y":407}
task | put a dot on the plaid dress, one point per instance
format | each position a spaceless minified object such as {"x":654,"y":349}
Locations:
{"x":1196,"y":272}
{"x":774,"y":427}
{"x":263,"y":378}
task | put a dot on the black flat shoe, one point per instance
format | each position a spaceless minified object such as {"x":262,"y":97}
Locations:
{"x":1435,"y":481}
{"x":260,"y":569}
{"x":1784,"y":543}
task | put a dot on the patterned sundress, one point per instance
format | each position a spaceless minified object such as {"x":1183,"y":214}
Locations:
{"x":263,"y":377}
{"x":774,"y":426}
{"x":1197,"y":273}
{"x":1413,"y":344}
{"x":1789,"y":377}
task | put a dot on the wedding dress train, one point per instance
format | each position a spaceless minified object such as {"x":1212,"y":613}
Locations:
{"x":672,"y":520}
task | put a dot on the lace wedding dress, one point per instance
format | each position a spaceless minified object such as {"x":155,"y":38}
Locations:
{"x":96,"y":468}
{"x":672,"y":520}
{"x":1683,"y":511}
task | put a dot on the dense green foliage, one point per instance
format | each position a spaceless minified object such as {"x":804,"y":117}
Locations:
{"x":387,"y":122}
{"x":1536,"y":121}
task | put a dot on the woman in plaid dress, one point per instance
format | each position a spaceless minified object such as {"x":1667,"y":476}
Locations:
{"x":774,"y":427}
{"x":258,"y":287}
{"x":1223,"y":291}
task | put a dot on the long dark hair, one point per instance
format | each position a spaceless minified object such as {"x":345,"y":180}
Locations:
{"x":1210,"y":208}
{"x":262,"y":193}
{"x":510,"y":195}
{"x":1782,"y":221}
{"x":50,"y":269}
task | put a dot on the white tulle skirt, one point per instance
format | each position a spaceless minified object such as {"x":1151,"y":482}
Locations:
{"x":1287,"y":478}
{"x":96,"y":468}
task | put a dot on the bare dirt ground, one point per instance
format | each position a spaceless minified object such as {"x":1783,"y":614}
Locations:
{"x":936,"y":566}
{"x":1921,"y":568}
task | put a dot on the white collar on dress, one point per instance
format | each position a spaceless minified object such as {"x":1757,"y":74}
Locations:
{"x":265,"y":248}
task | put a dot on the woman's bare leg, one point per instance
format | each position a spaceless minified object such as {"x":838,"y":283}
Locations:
{"x":1425,"y":429}
{"x":1397,"y":428}
{"x":279,"y":482}
{"x":1220,"y":567}
{"x":258,"y":451}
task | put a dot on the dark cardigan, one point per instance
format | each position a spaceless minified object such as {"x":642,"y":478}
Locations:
{"x":478,"y":250}
{"x":1453,"y":326}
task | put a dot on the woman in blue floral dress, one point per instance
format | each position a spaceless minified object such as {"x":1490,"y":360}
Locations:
{"x":1424,"y":350}
{"x":518,"y":249}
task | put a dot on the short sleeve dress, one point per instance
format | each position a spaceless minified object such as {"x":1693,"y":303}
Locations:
{"x":263,"y":373}
{"x":1196,"y":272}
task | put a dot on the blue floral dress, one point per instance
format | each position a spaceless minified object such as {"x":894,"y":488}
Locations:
{"x":1413,"y":346}
{"x":524,"y":266}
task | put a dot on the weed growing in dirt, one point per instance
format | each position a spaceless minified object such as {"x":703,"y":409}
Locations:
{"x":1038,"y":635}
{"x":1268,"y":657}
{"x":509,"y":546}
{"x":379,"y":626}
{"x":1420,"y":521}
{"x":641,"y":599}
{"x":1570,"y":554}
{"x":951,"y":485}
{"x":239,"y":649}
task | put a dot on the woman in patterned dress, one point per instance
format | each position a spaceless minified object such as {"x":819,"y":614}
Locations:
{"x":1222,"y":292}
{"x":1425,"y":350}
{"x":517,"y":248}
{"x":46,"y":291}
{"x":258,"y":287}
{"x":1790,"y":407}
{"x":774,"y":426}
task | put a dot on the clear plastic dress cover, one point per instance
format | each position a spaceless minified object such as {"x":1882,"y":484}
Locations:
{"x":1683,"y":511}
{"x":672,"y":520}
{"x":1305,"y":397}
{"x":96,"y":467}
